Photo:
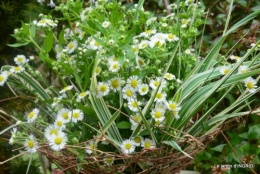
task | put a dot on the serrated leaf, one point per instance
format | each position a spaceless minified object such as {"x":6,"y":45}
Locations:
{"x":48,"y":43}
{"x":123,"y":125}
{"x":218,"y":148}
{"x":176,"y":146}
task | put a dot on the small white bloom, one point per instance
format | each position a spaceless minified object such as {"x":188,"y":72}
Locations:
{"x":170,"y":37}
{"x":185,"y":23}
{"x":156,"y":83}
{"x":225,"y":70}
{"x":115,"y":83}
{"x":237,"y":58}
{"x":147,"y":33}
{"x":173,"y":106}
{"x":51,"y":4}
{"x":32,"y":115}
{"x":72,"y":46}
{"x":90,"y":145}
{"x":134,"y":82}
{"x":17,"y":69}
{"x":52,"y":129}
{"x":42,"y":23}
{"x":3,"y":77}
{"x":242,"y":69}
{"x":105,"y":24}
{"x":158,"y":114}
{"x":109,"y":160}
{"x":169,"y":76}
{"x":64,"y":113}
{"x":133,"y":105}
{"x":60,"y":123}
{"x":85,"y":12}
{"x":128,"y":92}
{"x":58,"y":142}
{"x":20,"y":59}
{"x":67,"y":88}
{"x":94,"y":45}
{"x":160,"y":96}
{"x":148,"y":143}
{"x":150,"y":21}
{"x":250,"y":84}
{"x":102,"y":89}
{"x":135,"y":119}
{"x":157,"y":39}
{"x":114,"y":66}
{"x":76,"y":115}
{"x":82,"y":95}
{"x":128,"y":146}
{"x":143,"y":44}
{"x":31,"y":144}
{"x":137,"y":140}
{"x":143,"y":89}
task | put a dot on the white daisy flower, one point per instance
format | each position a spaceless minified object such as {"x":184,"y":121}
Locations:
{"x":109,"y":160}
{"x":143,"y":44}
{"x":151,"y":20}
{"x":3,"y":77}
{"x":105,"y":24}
{"x":185,"y":23}
{"x":42,"y":23}
{"x":56,"y":101}
{"x":134,"y":82}
{"x":17,"y":69}
{"x":173,"y":106}
{"x":76,"y":115}
{"x":169,"y":76}
{"x":242,"y":69}
{"x":158,"y":114}
{"x":82,"y":95}
{"x":155,"y":83}
{"x":250,"y":84}
{"x":60,"y":123}
{"x":225,"y":70}
{"x":52,"y":23}
{"x":72,"y":46}
{"x":115,"y":83}
{"x":157,"y":39}
{"x":133,"y":105}
{"x":114,"y":66}
{"x":237,"y":58}
{"x":94,"y":45}
{"x":147,"y":33}
{"x":52,"y":129}
{"x":85,"y":12}
{"x":32,"y":115}
{"x":58,"y":142}
{"x":67,"y":88}
{"x":128,"y":92}
{"x":137,"y":140}
{"x":90,"y":145}
{"x":31,"y":144}
{"x":140,"y":62}
{"x":135,"y":49}
{"x":148,"y":143}
{"x":64,"y":113}
{"x":143,"y":89}
{"x":51,"y":4}
{"x":98,"y":70}
{"x":102,"y":89}
{"x":20,"y":59}
{"x":135,"y":119}
{"x":160,"y":97}
{"x":170,"y":37}
{"x":127,"y":146}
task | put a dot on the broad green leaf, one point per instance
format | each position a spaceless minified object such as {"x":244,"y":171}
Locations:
{"x":48,"y":43}
{"x":61,"y":36}
{"x":123,"y":125}
{"x":254,"y":132}
{"x":218,"y":148}
{"x":25,"y":28}
{"x":32,"y":31}
{"x":176,"y":146}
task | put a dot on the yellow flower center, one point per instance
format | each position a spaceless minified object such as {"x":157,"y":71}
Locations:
{"x":157,"y":123}
{"x":243,"y":71}
{"x":144,"y":45}
{"x":159,"y":95}
{"x":250,"y":85}
{"x":31,"y":114}
{"x":137,"y":139}
{"x":115,"y":66}
{"x":170,"y":36}
{"x":141,"y":62}
{"x":76,"y":115}
{"x":82,"y":94}
{"x":134,"y":104}
{"x":58,"y":140}
{"x":17,"y":68}
{"x":115,"y":83}
{"x":91,"y":146}
{"x":1,"y":78}
{"x":129,"y":93}
{"x":114,"y":59}
{"x":157,"y":114}
{"x":30,"y":144}
{"x":43,"y":21}
{"x":65,"y":115}
{"x":103,"y":88}
{"x":19,"y":59}
{"x":96,"y":44}
{"x":98,"y":69}
{"x":59,"y":123}
{"x":226,"y":71}
{"x":144,"y":89}
{"x":128,"y":146}
{"x":109,"y":160}
{"x":147,"y":145}
{"x":157,"y":83}
{"x":70,"y":46}
{"x":148,"y":31}
{"x":136,"y":118}
{"x":184,"y":21}
{"x":54,"y":131}
{"x":135,"y":49}
{"x":168,"y":76}
{"x":134,"y":83}
{"x":172,"y":106}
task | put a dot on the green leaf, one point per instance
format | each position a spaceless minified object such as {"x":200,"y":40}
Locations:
{"x":218,"y":148}
{"x":18,"y":44}
{"x":123,"y":125}
{"x":61,"y":37}
{"x":243,"y":3}
{"x":32,"y":31}
{"x":25,"y":28}
{"x":48,"y":43}
{"x":254,"y":132}
{"x":244,"y":135}
{"x":176,"y":146}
